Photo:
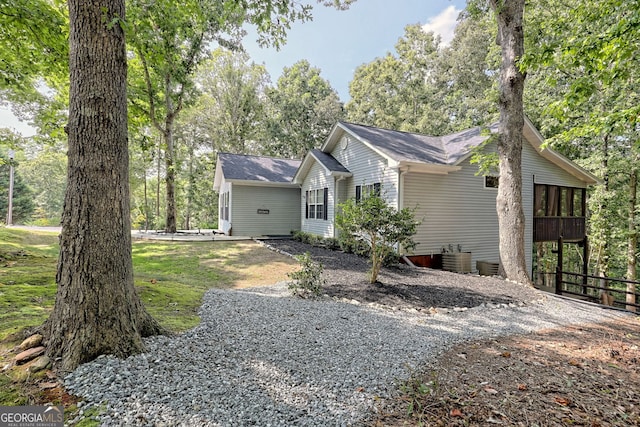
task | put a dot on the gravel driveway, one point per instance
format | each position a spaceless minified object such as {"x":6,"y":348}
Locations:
{"x":261,"y":357}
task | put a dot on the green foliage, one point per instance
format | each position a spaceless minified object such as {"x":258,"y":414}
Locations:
{"x":417,"y":393}
{"x":303,"y":107}
{"x":46,"y":175}
{"x":34,"y":77}
{"x":23,"y":205}
{"x":231,"y":109}
{"x":330,"y":243}
{"x":308,"y":281}
{"x":487,"y":161}
{"x":427,"y":87}
{"x":372,"y":221}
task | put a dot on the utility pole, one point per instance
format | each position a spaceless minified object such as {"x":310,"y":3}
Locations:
{"x":10,"y":207}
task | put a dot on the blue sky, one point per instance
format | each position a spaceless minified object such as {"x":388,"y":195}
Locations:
{"x":338,"y":42}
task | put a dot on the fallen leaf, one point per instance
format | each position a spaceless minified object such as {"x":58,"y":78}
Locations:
{"x":491,"y":390}
{"x":48,"y":385}
{"x":522,"y":387}
{"x":506,"y":354}
{"x":562,"y":401}
{"x":574,"y":362}
{"x":462,"y":356}
{"x":456,"y":413}
{"x":360,"y":389}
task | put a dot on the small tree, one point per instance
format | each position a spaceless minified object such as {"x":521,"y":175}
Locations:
{"x":379,"y":225}
{"x":308,"y":281}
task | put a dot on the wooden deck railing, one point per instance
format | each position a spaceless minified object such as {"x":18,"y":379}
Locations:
{"x":550,"y":228}
{"x":591,"y":288}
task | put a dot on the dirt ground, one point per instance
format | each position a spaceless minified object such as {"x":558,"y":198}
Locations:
{"x":587,"y":375}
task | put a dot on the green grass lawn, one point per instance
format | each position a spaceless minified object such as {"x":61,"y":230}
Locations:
{"x":171,"y":278}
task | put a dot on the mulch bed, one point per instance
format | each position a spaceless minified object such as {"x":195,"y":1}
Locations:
{"x":406,"y":288}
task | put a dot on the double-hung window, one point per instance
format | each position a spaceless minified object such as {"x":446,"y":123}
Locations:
{"x":364,"y":191}
{"x":316,"y":204}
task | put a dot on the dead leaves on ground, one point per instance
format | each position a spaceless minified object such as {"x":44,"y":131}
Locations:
{"x":581,"y":375}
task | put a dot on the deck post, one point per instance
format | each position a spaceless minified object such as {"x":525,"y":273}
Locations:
{"x":585,"y":264}
{"x":559,"y":267}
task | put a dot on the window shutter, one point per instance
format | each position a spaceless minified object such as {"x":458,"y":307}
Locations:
{"x":376,"y":189}
{"x":358,"y":193}
{"x":326,"y":203}
{"x":306,"y":205}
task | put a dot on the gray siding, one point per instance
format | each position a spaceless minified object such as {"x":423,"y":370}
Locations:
{"x":367,"y":167}
{"x":457,"y":209}
{"x":282,"y":203}
{"x":316,"y":179}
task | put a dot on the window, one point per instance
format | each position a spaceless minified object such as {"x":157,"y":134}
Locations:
{"x":491,"y":181}
{"x":317,"y":203}
{"x":224,"y":206}
{"x":363,"y":191}
{"x":554,"y":200}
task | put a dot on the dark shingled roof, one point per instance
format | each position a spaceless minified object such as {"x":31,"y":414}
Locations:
{"x":257,"y":168}
{"x":414,"y":147}
{"x":328,"y":161}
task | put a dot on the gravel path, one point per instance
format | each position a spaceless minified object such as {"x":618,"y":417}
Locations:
{"x":261,"y":357}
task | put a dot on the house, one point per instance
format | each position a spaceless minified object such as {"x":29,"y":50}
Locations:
{"x":435,"y":176}
{"x":257,"y":195}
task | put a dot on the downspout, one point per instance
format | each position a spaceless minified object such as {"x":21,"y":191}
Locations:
{"x":401,"y":173}
{"x":336,"y":180}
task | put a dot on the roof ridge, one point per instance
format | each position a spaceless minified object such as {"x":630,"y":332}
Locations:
{"x":390,"y":130}
{"x":259,"y":156}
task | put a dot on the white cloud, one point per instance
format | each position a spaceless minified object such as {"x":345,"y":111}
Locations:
{"x":443,"y":24}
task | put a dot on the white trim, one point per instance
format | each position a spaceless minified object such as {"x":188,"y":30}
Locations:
{"x":263,"y":183}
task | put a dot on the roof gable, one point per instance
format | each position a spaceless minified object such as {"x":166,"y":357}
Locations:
{"x":326,"y":160}
{"x":441,"y":154}
{"x":258,"y":169}
{"x":410,"y":147}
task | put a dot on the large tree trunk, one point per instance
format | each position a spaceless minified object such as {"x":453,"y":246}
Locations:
{"x":509,"y":14}
{"x":97,"y":310}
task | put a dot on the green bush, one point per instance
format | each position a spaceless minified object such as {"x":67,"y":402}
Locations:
{"x":308,"y":281}
{"x":382,"y":228}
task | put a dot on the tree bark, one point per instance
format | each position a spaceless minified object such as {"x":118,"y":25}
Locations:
{"x":632,"y":243}
{"x":170,"y":181}
{"x":509,"y":15}
{"x":97,"y":310}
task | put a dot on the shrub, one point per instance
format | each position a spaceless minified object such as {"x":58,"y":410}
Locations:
{"x":372,"y":222}
{"x":307,"y":281}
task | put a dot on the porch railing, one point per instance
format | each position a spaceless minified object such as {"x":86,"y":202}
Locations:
{"x":550,"y":228}
{"x":592,"y":287}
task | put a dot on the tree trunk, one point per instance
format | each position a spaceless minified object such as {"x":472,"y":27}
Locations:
{"x":97,"y":310}
{"x":170,"y":180}
{"x":146,"y":202}
{"x":602,"y":260}
{"x":509,"y":14}
{"x":632,"y":244}
{"x":156,"y":222}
